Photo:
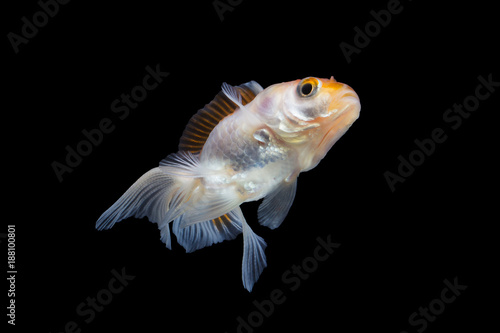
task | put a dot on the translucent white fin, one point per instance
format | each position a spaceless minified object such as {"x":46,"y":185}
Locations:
{"x":165,"y":234}
{"x":254,"y":259}
{"x":146,"y":197}
{"x":273,"y":210}
{"x":184,"y":164}
{"x":209,"y":207}
{"x":254,"y":87}
{"x":162,"y":194}
{"x":206,"y":233}
{"x":232,"y":93}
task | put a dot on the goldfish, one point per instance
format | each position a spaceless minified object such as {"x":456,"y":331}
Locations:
{"x":247,"y":144}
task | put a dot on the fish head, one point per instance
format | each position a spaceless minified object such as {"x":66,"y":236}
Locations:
{"x":312,"y":114}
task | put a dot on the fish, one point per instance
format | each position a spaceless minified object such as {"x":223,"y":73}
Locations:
{"x":247,"y":144}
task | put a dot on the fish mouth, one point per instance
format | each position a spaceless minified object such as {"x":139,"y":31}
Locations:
{"x":343,"y":113}
{"x":340,"y":104}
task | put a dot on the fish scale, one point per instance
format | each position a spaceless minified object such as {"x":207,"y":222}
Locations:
{"x":233,"y":145}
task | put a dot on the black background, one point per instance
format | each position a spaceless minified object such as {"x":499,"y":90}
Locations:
{"x":396,"y":247}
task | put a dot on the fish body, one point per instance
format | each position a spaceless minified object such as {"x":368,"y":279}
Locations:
{"x":247,"y":144}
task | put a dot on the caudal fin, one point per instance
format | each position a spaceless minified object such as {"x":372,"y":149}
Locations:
{"x":148,"y":196}
{"x":161,"y":194}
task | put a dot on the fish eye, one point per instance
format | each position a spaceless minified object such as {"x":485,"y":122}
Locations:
{"x":308,"y":87}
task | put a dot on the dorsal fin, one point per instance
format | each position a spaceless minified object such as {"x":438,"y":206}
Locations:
{"x":232,"y":93}
{"x":203,"y":122}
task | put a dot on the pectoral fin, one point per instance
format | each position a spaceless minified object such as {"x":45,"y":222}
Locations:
{"x":273,"y":210}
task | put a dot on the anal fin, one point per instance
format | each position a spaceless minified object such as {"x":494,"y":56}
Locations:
{"x":202,"y":234}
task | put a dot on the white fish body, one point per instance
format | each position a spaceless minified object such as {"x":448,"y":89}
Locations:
{"x":232,"y":153}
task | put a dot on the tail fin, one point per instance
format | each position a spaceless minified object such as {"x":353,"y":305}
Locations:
{"x":149,"y":196}
{"x":160,"y":194}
